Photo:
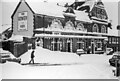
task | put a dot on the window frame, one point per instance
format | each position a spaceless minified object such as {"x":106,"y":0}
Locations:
{"x":103,"y":29}
{"x":95,"y":28}
{"x":80,"y":27}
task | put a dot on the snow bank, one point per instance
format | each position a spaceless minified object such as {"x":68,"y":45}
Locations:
{"x":47,"y":56}
{"x":80,"y":71}
{"x":10,"y":69}
{"x":70,"y":66}
{"x":0,"y":71}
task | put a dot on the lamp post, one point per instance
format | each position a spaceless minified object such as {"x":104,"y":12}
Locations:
{"x":43,"y":31}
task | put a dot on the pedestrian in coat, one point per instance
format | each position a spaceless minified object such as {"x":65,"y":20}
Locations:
{"x":32,"y":57}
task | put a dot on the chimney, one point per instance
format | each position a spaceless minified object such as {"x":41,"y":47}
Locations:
{"x":76,"y":0}
{"x":22,"y":0}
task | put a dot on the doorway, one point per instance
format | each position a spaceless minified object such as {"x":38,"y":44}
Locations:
{"x":69,"y":47}
{"x":92,"y":48}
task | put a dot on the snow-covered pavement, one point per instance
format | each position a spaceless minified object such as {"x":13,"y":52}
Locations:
{"x":59,"y":65}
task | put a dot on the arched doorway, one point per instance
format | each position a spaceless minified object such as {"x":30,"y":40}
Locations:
{"x":92,"y":47}
{"x":69,"y":45}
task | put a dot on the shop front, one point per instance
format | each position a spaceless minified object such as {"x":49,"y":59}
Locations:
{"x":70,"y":43}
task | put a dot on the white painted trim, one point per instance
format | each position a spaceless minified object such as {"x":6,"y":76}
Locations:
{"x":69,"y":36}
{"x":72,"y":31}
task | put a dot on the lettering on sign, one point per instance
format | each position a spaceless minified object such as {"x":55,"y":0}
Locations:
{"x":22,"y":21}
{"x":56,"y":33}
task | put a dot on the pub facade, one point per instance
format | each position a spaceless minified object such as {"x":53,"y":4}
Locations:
{"x":65,"y":28}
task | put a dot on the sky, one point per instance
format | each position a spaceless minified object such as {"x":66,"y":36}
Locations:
{"x":7,"y":7}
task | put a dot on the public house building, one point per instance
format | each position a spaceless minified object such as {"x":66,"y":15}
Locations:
{"x":65,"y":28}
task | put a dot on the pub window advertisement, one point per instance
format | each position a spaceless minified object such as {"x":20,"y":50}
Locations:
{"x":22,"y":21}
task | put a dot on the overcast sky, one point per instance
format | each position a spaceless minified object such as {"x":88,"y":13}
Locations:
{"x":7,"y":7}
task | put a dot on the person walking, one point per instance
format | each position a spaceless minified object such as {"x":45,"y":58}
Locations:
{"x":32,"y":57}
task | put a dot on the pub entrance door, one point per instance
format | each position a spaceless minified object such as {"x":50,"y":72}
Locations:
{"x":69,"y":47}
{"x":92,"y":48}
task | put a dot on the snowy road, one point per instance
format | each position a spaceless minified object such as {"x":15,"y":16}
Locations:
{"x":60,"y":65}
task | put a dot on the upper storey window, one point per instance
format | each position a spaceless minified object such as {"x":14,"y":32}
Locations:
{"x":69,"y":25}
{"x":99,"y":13}
{"x":56,"y":24}
{"x":95,"y":28}
{"x":80,"y":26}
{"x":103,"y":29}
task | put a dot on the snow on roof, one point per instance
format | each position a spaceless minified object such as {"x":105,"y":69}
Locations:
{"x":16,"y":38}
{"x":70,"y":31}
{"x":5,"y":27}
{"x":47,"y":8}
{"x":82,"y":16}
{"x":52,"y":9}
{"x":112,"y":32}
{"x":4,"y":51}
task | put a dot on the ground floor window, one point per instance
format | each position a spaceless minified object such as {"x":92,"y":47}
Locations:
{"x":99,"y":45}
{"x":80,"y":44}
{"x":70,"y":44}
{"x":39,"y":42}
{"x":56,"y":44}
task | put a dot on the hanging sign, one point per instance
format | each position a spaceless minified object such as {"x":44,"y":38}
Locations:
{"x":22,"y":21}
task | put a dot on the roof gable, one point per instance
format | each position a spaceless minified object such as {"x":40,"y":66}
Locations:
{"x":52,"y":9}
{"x":21,"y":1}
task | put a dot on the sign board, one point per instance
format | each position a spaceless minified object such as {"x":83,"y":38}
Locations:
{"x":56,"y":33}
{"x":22,"y":21}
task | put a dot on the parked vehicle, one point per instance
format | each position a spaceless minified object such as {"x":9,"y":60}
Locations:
{"x":116,"y":53}
{"x":114,"y":61}
{"x":7,"y":56}
{"x":109,"y":51}
{"x":80,"y":51}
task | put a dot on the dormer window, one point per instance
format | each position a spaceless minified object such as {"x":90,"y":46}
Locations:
{"x":95,"y":28}
{"x":56,"y":24}
{"x":80,"y":26}
{"x":69,"y":25}
{"x":70,"y":10}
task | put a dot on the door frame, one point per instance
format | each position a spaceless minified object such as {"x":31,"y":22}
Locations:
{"x":93,"y":48}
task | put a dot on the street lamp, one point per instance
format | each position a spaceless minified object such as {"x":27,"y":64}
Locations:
{"x":43,"y":30}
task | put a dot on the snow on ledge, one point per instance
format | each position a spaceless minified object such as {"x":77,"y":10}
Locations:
{"x":68,"y":36}
{"x":69,"y":31}
{"x":18,"y":37}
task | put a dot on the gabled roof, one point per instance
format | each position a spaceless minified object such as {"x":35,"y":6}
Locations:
{"x":21,"y":1}
{"x":52,"y":9}
{"x":92,"y":3}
